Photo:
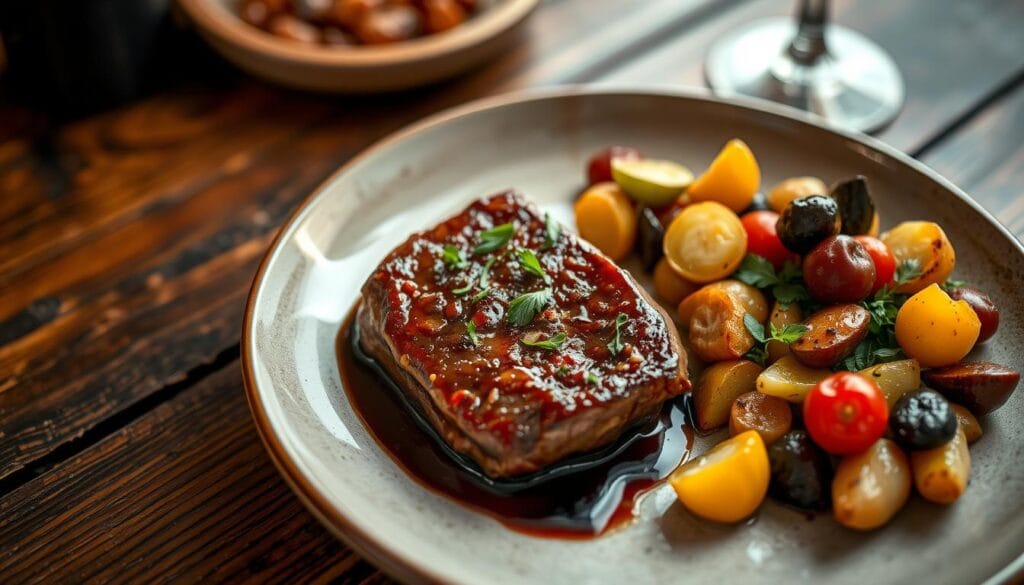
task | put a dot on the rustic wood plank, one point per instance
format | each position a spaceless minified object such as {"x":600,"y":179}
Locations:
{"x":185,"y":493}
{"x":952,"y":54}
{"x":985,"y":157}
{"x":131,"y":237}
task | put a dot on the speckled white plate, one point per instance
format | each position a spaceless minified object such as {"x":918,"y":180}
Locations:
{"x":539,"y":143}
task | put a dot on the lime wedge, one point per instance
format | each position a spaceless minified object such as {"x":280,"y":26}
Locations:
{"x":651,"y":181}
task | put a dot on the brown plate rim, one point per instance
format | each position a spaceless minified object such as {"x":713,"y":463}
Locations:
{"x":368,"y":545}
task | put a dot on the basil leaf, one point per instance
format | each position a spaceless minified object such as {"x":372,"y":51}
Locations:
{"x":553,"y":342}
{"x":754,"y":327}
{"x":494,"y":238}
{"x":756,"y":271}
{"x":526,"y":306}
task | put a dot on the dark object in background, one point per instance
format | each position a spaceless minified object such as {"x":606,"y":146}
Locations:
{"x":79,"y":56}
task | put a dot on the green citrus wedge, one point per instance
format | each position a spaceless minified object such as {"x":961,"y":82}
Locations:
{"x":650,"y":181}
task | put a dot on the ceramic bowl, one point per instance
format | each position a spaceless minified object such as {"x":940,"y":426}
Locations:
{"x":361,"y":69}
{"x":539,"y":143}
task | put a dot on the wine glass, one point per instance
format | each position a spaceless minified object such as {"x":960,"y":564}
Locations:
{"x":826,"y":69}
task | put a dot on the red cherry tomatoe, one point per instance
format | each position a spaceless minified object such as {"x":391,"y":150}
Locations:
{"x":599,"y":169}
{"x":845,"y":413}
{"x":882,"y":256}
{"x":763,"y":240}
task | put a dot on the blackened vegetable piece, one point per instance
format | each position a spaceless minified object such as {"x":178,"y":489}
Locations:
{"x":856,"y":209}
{"x":983,"y":307}
{"x":801,"y":472}
{"x":807,"y":221}
{"x":922,"y":420}
{"x":760,"y":203}
{"x":652,"y":234}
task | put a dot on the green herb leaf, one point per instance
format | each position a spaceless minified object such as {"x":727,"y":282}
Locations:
{"x":907,"y":271}
{"x":471,"y":333}
{"x":526,"y":306}
{"x":790,"y":294}
{"x":757,"y":354}
{"x":529,"y":262}
{"x":494,"y":238}
{"x":616,"y":343}
{"x":789,"y":333}
{"x":592,"y":378}
{"x":485,"y":274}
{"x":453,"y":257}
{"x":463,"y":290}
{"x":552,"y":231}
{"x":952,"y":283}
{"x":553,"y":342}
{"x":562,"y":370}
{"x":481,"y":295}
{"x":756,"y":271}
{"x":754,"y":327}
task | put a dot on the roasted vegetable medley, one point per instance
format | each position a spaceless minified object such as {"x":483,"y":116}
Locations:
{"x":836,"y":357}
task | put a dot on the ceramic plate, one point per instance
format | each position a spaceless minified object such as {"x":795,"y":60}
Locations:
{"x":539,"y":143}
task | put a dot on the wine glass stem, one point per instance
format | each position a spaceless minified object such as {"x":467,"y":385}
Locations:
{"x":809,"y":43}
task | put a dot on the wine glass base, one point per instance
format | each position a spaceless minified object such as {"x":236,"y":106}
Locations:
{"x":856,"y":85}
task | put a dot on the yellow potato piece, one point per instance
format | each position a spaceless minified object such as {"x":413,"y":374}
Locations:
{"x":605,"y":218}
{"x":870,"y":487}
{"x":732,"y":179}
{"x":936,"y":330}
{"x":671,"y":287}
{"x":941,"y":474}
{"x":792,"y":188}
{"x":925,"y":242}
{"x":895,"y":378}
{"x":790,"y":380}
{"x":718,"y":387}
{"x":705,"y":242}
{"x":727,"y":483}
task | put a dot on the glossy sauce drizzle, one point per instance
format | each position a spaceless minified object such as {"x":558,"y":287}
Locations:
{"x":579,"y":506}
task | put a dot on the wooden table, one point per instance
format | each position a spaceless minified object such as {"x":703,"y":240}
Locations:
{"x":129,"y":239}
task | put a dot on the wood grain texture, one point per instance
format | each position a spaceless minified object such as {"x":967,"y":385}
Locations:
{"x":985,"y":157}
{"x":951,"y":54}
{"x":185,"y":493}
{"x":130,"y":238}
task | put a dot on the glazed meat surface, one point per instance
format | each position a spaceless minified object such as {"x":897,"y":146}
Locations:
{"x":450,"y":314}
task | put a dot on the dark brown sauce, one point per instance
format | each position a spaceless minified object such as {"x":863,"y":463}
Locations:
{"x":579,"y":506}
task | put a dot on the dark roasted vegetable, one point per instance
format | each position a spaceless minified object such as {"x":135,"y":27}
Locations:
{"x":983,"y":307}
{"x":760,"y":203}
{"x":839,"y":270}
{"x":649,"y":238}
{"x":922,"y":420}
{"x":856,"y":209}
{"x":980,"y":386}
{"x":801,"y":472}
{"x":807,"y":221}
{"x":833,"y":334}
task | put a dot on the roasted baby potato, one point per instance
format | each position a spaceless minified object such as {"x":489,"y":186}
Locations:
{"x":781,"y":317}
{"x":771,"y":417}
{"x":980,"y":386}
{"x":785,"y":192}
{"x":870,"y":487}
{"x":753,"y":300}
{"x":718,"y":388}
{"x":714,"y":317}
{"x":671,"y":287}
{"x":935,"y":329}
{"x":967,"y":423}
{"x":833,"y":334}
{"x":941,"y":474}
{"x":895,"y":378}
{"x":789,"y":380}
{"x":925,"y":242}
{"x":801,"y":472}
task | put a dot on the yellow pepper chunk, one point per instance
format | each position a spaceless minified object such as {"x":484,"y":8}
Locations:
{"x":727,"y":483}
{"x":936,"y":330}
{"x":732,"y":179}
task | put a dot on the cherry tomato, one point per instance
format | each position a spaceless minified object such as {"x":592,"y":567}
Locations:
{"x":600,"y":167}
{"x":764,"y":241}
{"x":881,"y":255}
{"x":839,"y":270}
{"x":845,"y":413}
{"x":705,"y":242}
